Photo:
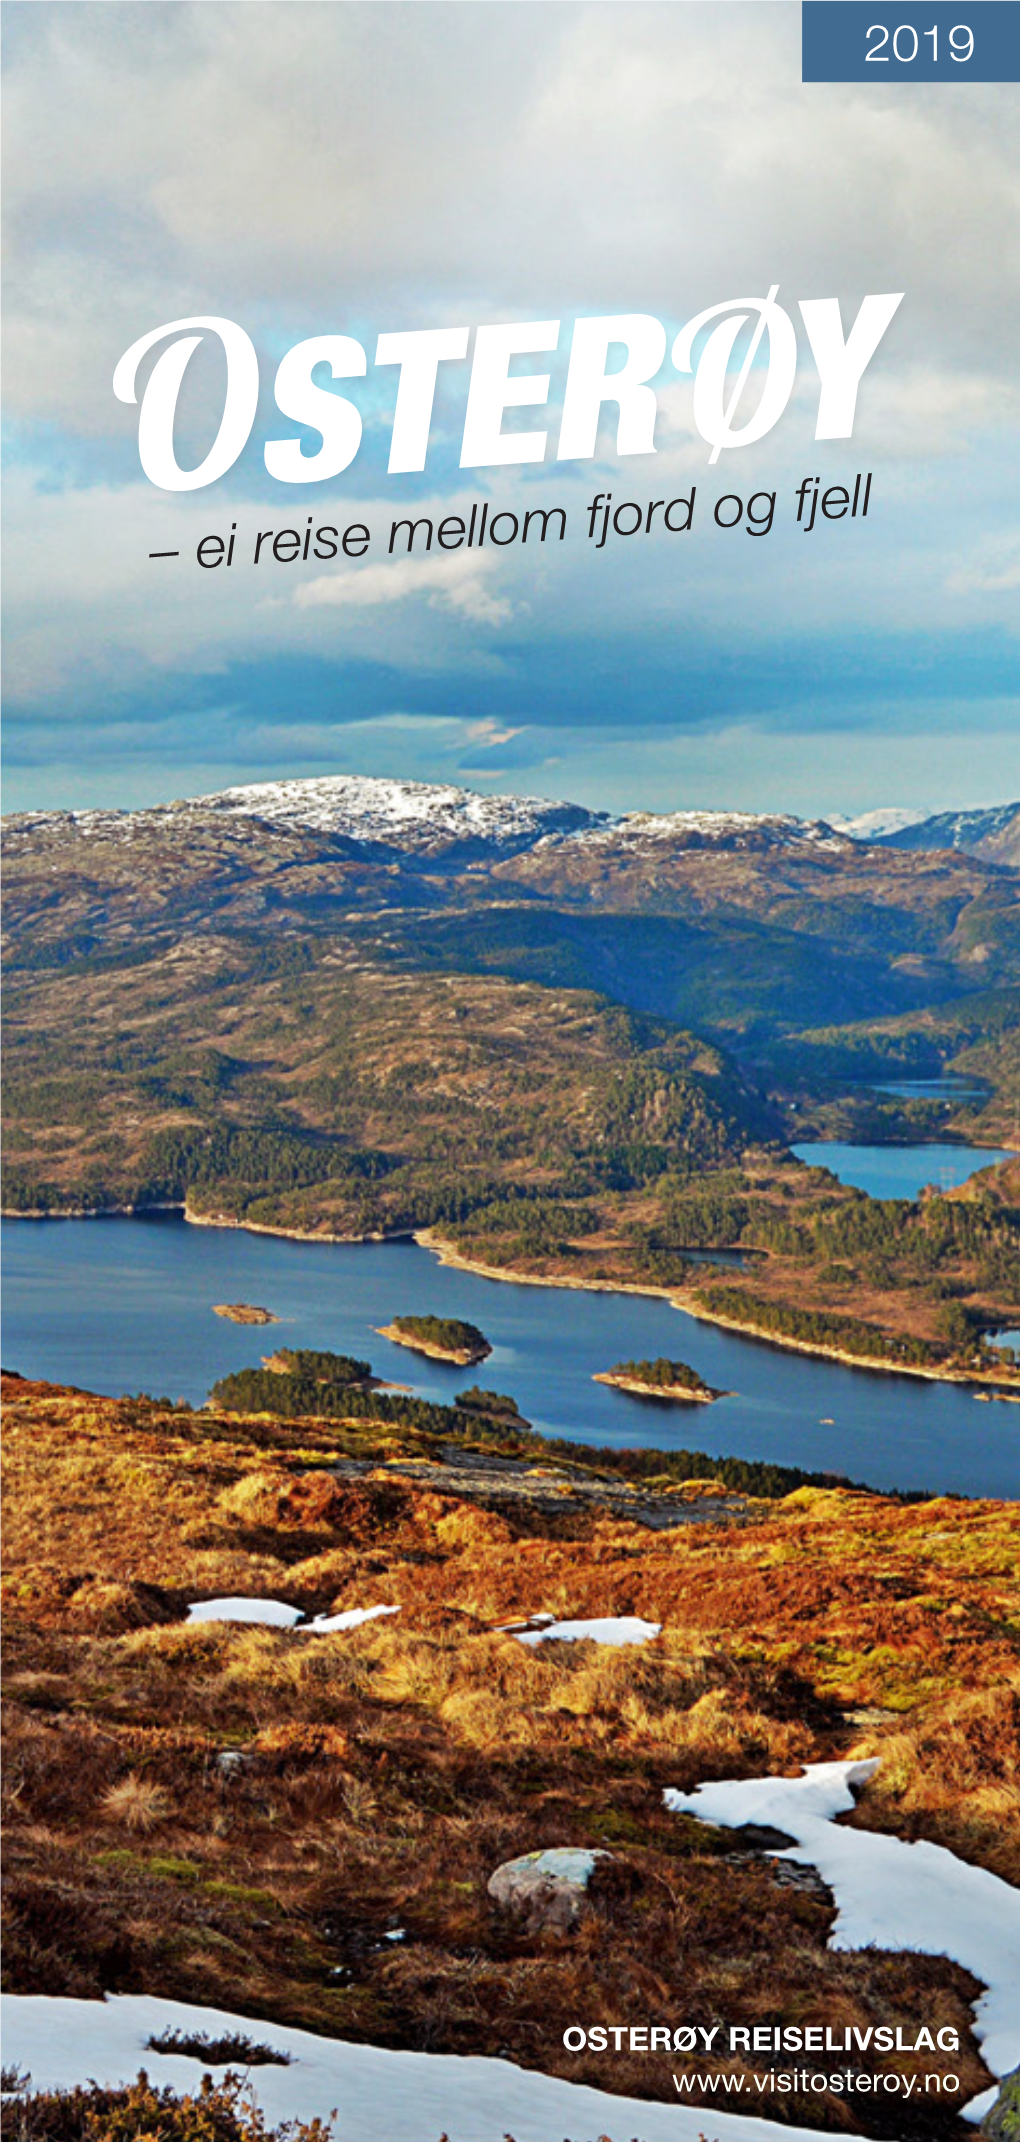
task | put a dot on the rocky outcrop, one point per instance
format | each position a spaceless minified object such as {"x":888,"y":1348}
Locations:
{"x":244,"y":1313}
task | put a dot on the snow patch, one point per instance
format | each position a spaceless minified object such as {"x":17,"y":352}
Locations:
{"x":274,"y":1614}
{"x":413,"y":816}
{"x":406,"y":2097}
{"x":623,"y":1629}
{"x":889,"y":1894}
{"x":271,"y":1613}
{"x":326,"y":1624}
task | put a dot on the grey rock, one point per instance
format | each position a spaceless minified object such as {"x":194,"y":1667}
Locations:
{"x":547,"y":1890}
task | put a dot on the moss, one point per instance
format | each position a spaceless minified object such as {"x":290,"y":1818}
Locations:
{"x":166,"y":1868}
{"x":241,"y":1893}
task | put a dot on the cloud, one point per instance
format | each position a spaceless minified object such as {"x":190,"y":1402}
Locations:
{"x":308,"y":167}
{"x":488,"y":735}
{"x":995,"y":572}
{"x":356,"y":168}
{"x":459,"y":583}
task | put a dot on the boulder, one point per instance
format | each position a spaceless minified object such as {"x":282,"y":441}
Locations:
{"x":546,"y":1890}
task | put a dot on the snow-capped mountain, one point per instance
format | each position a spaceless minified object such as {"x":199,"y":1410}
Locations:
{"x":422,"y":818}
{"x":405,"y":814}
{"x":993,"y":833}
{"x":881,"y":824}
{"x":414,"y":817}
{"x":724,"y":829}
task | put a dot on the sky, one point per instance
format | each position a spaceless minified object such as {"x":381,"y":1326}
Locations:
{"x":349,"y":168}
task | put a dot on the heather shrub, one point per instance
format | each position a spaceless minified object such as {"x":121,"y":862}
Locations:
{"x":217,"y":2112}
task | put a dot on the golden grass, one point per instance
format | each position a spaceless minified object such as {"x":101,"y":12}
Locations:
{"x":238,"y":1816}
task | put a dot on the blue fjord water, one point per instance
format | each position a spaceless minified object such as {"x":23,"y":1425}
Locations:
{"x":899,"y":1170}
{"x":125,"y":1304}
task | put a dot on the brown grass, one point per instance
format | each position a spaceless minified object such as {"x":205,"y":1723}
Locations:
{"x":239,"y":1816}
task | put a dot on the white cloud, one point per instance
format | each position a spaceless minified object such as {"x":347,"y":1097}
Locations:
{"x":363,"y":167}
{"x":995,"y":570}
{"x":489,"y":735}
{"x":337,"y":165}
{"x":459,"y":582}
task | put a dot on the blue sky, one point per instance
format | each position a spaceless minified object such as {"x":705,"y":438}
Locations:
{"x":349,"y":168}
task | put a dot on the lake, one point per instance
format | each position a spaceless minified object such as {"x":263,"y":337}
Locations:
{"x":946,"y":1088}
{"x":950,"y":1087}
{"x":125,"y":1304}
{"x":898,"y":1170}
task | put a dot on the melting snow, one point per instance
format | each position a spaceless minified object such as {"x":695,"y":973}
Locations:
{"x":272,"y":1612}
{"x":624,"y":1629}
{"x":406,"y":2097}
{"x":889,"y":1894}
{"x":324,"y":1624}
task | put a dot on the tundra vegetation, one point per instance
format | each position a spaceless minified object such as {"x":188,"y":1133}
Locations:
{"x":240,"y":1816}
{"x":220,"y":2110}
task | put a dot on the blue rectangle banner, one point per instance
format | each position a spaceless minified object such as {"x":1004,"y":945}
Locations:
{"x":942,"y":41}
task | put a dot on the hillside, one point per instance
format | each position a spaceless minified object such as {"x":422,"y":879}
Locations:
{"x":250,"y":1816}
{"x":363,"y":1098}
{"x":576,"y":1051}
{"x":714,"y":920}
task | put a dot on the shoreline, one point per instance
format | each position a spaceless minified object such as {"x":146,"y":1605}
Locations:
{"x":447,"y":1254}
{"x":674,"y":1394}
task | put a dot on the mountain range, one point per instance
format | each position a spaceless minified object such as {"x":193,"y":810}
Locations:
{"x":741,"y":926}
{"x":417,"y":818}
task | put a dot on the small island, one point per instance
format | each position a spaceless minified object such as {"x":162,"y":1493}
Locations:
{"x":318,"y":1367}
{"x":442,"y":1338}
{"x":660,"y":1379}
{"x":244,"y":1313}
{"x":493,"y":1406}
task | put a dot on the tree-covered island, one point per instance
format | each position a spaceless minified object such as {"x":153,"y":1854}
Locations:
{"x":443,"y":1338}
{"x":661,"y":1378}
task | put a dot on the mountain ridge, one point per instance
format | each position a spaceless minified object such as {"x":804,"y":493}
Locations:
{"x":442,"y":820}
{"x":992,"y":833}
{"x":418,"y":817}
